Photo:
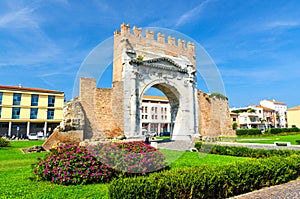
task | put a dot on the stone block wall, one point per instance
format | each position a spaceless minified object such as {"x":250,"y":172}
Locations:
{"x":214,"y":116}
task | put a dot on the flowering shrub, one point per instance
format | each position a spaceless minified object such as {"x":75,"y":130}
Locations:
{"x":74,"y":164}
{"x":4,"y":142}
{"x":71,"y":164}
{"x":130,"y":158}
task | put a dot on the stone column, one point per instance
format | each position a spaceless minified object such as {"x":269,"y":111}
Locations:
{"x":9,"y":129}
{"x":45,"y":129}
{"x":158,"y":129}
{"x":28,"y":129}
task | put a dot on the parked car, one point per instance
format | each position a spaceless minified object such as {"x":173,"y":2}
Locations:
{"x":152,"y":133}
{"x":165,"y":133}
{"x":32,"y":136}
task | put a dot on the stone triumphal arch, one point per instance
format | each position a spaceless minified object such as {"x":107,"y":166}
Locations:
{"x":141,"y":62}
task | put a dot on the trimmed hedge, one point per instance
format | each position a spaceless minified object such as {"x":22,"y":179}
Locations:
{"x":248,"y":152}
{"x":248,"y":132}
{"x":208,"y":182}
{"x":4,"y":142}
{"x":283,"y":130}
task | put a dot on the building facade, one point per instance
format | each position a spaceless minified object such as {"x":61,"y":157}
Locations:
{"x":156,"y":114}
{"x":268,"y":117}
{"x":248,"y":117}
{"x":28,"y":110}
{"x":293,"y":117}
{"x":280,"y":112}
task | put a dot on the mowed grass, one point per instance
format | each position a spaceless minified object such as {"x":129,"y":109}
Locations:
{"x":180,"y":159}
{"x":269,"y":139}
{"x":15,"y":173}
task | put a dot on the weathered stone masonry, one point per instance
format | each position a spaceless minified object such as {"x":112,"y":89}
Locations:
{"x":166,"y":66}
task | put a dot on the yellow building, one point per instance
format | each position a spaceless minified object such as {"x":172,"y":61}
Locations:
{"x":27,"y":110}
{"x":293,"y":116}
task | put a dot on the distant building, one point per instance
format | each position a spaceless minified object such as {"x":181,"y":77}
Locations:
{"x":269,"y":117}
{"x":155,"y":114}
{"x":280,"y":112}
{"x":293,"y":116}
{"x":26,"y":110}
{"x":248,"y":117}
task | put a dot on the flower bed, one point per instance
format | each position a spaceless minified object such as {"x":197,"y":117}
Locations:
{"x":74,"y":164}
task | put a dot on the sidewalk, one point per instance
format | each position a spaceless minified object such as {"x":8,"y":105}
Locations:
{"x":290,"y":190}
{"x":259,"y":146}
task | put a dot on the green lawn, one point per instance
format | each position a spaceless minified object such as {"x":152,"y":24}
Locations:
{"x":15,"y":173}
{"x":269,"y":139}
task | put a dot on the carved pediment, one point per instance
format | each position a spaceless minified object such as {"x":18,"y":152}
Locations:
{"x":164,"y":63}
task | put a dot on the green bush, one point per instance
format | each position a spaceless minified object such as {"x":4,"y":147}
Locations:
{"x":248,"y":132}
{"x":198,"y":145}
{"x":218,"y":95}
{"x":208,"y":182}
{"x":283,"y":130}
{"x":4,"y":142}
{"x":251,"y":153}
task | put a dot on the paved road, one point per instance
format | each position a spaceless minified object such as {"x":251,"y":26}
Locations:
{"x":259,"y":146}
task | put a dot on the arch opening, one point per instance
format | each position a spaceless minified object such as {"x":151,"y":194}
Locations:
{"x":159,"y":112}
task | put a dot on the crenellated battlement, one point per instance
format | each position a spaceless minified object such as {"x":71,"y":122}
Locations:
{"x":148,"y":45}
{"x":149,"y":35}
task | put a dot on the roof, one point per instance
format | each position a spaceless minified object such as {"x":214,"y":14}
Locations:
{"x":281,"y":103}
{"x":19,"y":88}
{"x":295,"y":108}
{"x":265,"y":108}
{"x":148,"y":97}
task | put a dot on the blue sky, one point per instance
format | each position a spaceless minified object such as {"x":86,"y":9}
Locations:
{"x":255,"y":44}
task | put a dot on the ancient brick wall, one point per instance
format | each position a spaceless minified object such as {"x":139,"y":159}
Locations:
{"x":214,"y":116}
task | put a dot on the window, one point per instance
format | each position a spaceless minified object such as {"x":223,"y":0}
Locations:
{"x":146,"y":117}
{"x":142,"y":117}
{"x":16,"y":113}
{"x":1,"y":94}
{"x":0,"y":111}
{"x":234,"y":119}
{"x":33,"y":113}
{"x":155,"y":109}
{"x":17,"y":99}
{"x":156,"y":117}
{"x":50,"y":114}
{"x":146,"y":109}
{"x":51,"y":101}
{"x":34,"y":100}
{"x":142,"y":109}
{"x":162,"y":117}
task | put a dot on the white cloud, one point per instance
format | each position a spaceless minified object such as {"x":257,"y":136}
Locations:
{"x":192,"y":13}
{"x":21,"y":18}
{"x":279,"y":24}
